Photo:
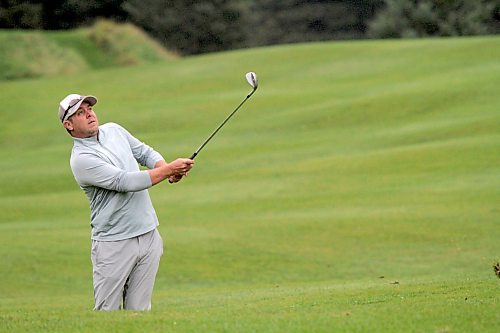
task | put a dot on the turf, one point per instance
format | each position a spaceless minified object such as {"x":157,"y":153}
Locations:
{"x":356,"y":191}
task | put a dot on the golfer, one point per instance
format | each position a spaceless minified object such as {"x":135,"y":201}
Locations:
{"x":126,"y":245}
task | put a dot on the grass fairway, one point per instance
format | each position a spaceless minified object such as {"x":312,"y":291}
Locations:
{"x":357,"y":191}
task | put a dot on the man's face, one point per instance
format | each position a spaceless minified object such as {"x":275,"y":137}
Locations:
{"x":83,"y":123}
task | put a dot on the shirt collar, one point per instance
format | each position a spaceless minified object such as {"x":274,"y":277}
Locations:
{"x":90,"y":140}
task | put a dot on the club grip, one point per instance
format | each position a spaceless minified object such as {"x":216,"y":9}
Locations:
{"x":193,"y":156}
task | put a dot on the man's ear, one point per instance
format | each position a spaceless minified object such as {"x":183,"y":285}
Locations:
{"x":68,"y":125}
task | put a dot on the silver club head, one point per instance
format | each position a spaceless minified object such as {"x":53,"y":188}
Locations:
{"x":252,"y":79}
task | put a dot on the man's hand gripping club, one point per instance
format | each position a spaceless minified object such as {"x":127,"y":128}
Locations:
{"x":173,"y":171}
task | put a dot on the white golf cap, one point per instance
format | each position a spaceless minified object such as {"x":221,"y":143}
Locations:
{"x":71,"y":103}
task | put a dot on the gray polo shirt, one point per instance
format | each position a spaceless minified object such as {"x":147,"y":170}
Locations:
{"x":106,"y":168}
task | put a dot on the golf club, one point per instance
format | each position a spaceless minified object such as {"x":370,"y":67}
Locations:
{"x":252,"y":80}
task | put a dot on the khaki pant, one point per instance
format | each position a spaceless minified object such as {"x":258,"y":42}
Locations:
{"x":125,"y":271}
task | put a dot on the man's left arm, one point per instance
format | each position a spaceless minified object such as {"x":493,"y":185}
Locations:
{"x":143,"y":154}
{"x":147,"y":156}
{"x":171,"y":179}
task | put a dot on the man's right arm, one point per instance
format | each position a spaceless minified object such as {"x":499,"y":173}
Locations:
{"x":89,"y":169}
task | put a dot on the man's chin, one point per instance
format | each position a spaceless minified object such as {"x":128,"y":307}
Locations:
{"x":94,"y":128}
{"x":92,"y":132}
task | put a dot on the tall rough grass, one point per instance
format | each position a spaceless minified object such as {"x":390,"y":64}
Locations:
{"x":31,"y":54}
{"x":126,"y":43}
{"x":26,"y":54}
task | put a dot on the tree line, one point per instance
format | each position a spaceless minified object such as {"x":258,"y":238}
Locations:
{"x":193,"y":27}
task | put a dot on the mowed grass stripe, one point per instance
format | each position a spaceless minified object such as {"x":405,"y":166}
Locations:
{"x":345,"y":308}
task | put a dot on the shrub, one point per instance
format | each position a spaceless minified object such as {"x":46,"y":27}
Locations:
{"x":421,"y":18}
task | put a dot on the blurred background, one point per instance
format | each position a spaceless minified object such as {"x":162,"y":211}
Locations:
{"x":194,"y":27}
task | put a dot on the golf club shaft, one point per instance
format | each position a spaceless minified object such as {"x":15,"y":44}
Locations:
{"x":220,"y":126}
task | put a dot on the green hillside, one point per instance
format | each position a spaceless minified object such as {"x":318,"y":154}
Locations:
{"x":356,"y":191}
{"x":28,"y":53}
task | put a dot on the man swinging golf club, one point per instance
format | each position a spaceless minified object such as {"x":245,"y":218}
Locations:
{"x":126,"y":245}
